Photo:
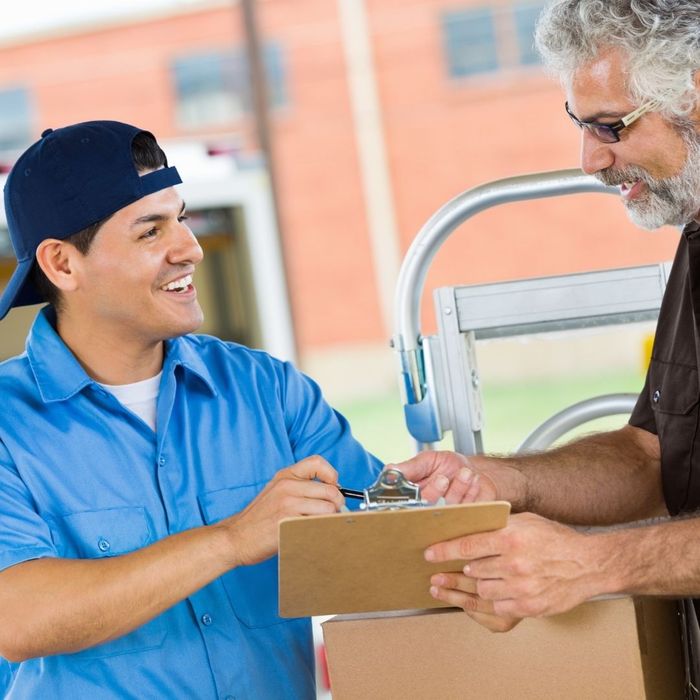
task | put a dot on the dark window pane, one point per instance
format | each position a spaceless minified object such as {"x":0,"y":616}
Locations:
{"x":214,"y":88}
{"x":526,"y":15}
{"x":15,"y":119}
{"x":470,"y":41}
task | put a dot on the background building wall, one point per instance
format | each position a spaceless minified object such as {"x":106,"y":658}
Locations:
{"x":443,"y":132}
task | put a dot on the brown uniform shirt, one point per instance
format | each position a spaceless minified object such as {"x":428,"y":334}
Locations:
{"x":668,"y":404}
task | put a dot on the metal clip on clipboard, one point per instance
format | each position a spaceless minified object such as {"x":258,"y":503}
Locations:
{"x":392,"y":490}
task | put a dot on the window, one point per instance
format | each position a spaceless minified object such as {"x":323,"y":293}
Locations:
{"x":15,"y":119}
{"x":470,"y":42}
{"x":525,"y":16}
{"x":214,"y":88}
{"x":486,"y":39}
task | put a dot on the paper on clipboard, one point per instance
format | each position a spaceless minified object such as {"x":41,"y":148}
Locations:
{"x":371,"y":561}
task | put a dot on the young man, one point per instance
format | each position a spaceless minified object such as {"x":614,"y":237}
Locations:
{"x":144,"y":470}
{"x":631,"y":74}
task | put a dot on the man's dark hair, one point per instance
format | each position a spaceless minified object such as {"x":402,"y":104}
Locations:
{"x":147,"y":155}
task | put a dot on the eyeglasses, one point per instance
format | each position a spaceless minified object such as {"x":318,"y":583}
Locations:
{"x":610,"y":133}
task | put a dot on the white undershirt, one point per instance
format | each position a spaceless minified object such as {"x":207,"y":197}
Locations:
{"x":139,"y":397}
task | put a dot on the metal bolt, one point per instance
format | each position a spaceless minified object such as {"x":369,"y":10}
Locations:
{"x":475,"y":379}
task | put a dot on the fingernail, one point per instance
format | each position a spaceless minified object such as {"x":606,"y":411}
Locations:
{"x":434,"y":591}
{"x":438,"y":580}
{"x":464,"y":475}
{"x":467,"y":569}
{"x":429,"y":555}
{"x":442,"y":482}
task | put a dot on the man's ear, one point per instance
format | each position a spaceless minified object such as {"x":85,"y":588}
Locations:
{"x":58,"y":260}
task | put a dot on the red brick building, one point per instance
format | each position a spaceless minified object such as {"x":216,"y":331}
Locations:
{"x":381,"y":110}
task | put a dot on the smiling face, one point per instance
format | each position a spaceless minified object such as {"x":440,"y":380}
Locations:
{"x":656,"y":164}
{"x":134,"y":286}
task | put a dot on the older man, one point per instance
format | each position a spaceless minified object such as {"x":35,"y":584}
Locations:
{"x":630,"y":72}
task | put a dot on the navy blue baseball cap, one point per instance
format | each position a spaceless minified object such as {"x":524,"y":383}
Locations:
{"x":68,"y":180}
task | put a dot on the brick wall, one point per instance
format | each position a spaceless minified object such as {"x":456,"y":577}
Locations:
{"x":442,"y":136}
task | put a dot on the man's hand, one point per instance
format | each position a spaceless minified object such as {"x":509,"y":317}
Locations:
{"x":460,"y":591}
{"x":532,"y":567}
{"x":446,"y":474}
{"x":463,"y":479}
{"x":308,"y":487}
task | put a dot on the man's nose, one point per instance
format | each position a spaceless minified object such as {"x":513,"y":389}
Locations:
{"x":595,"y":155}
{"x":186,"y":247}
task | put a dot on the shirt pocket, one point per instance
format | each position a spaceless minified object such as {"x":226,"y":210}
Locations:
{"x":251,"y":590}
{"x":109,"y":532}
{"x":674,"y":397}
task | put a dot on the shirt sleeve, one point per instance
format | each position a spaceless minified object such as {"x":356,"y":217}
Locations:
{"x":315,"y":428}
{"x":24,"y":535}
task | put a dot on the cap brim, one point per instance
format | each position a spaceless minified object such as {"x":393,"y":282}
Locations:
{"x":20,"y":290}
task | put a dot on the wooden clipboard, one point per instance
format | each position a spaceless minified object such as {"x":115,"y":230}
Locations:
{"x":367,"y":561}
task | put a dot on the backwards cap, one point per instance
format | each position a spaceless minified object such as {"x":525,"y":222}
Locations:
{"x":68,"y":180}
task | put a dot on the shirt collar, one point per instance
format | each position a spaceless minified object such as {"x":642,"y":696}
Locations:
{"x":59,"y":375}
{"x":691,"y":230}
{"x":180,"y":352}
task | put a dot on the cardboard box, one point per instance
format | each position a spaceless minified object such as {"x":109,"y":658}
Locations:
{"x":621,"y":649}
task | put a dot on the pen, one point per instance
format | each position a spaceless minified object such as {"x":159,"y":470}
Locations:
{"x":351,"y":493}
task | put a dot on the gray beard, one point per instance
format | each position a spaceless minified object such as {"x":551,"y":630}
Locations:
{"x":668,"y":201}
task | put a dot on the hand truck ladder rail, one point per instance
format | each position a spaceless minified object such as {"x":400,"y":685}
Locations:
{"x":438,"y":374}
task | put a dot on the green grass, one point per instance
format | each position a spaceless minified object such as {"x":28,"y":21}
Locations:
{"x":377,"y":422}
{"x":512,"y":411}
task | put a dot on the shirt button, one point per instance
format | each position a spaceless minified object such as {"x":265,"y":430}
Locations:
{"x":207,"y":619}
{"x":657,"y":395}
{"x":103,"y":545}
{"x":161,"y":461}
{"x":229,"y":697}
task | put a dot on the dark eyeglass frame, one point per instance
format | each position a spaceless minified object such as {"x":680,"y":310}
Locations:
{"x":610,"y":133}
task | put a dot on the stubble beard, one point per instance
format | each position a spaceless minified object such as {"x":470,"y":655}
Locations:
{"x":670,"y":201}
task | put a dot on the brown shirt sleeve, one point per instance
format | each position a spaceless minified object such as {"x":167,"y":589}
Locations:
{"x":669,"y":405}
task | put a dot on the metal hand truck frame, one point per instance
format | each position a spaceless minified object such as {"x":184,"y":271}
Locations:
{"x":439,"y":374}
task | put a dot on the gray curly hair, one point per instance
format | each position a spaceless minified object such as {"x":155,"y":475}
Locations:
{"x":661,"y":38}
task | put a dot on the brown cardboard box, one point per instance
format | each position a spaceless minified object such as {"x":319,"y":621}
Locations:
{"x":621,"y":649}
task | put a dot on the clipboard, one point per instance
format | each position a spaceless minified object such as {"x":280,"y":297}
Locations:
{"x":372,"y":561}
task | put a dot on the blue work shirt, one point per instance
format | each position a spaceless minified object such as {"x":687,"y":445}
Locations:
{"x":81,"y":476}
